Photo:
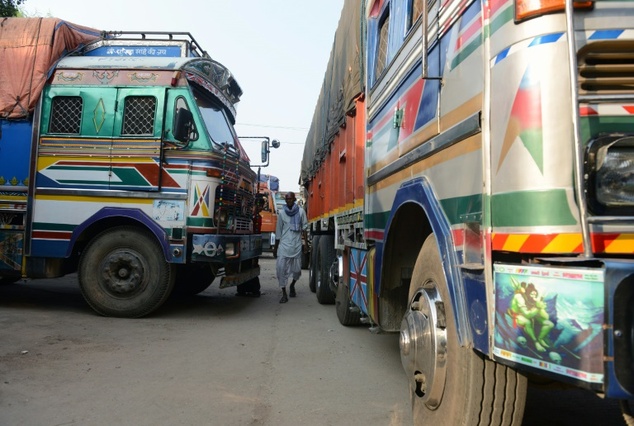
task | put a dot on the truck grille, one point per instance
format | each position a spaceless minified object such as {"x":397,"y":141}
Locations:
{"x":607,"y":67}
{"x":236,"y":199}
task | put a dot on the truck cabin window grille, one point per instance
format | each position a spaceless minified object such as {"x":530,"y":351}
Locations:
{"x":66,"y":115}
{"x":381,"y":55}
{"x":138,"y":115}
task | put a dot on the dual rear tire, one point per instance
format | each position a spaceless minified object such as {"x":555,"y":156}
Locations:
{"x":325,"y":259}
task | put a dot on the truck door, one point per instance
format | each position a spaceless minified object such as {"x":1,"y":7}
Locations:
{"x":75,"y":133}
{"x":136,"y":142}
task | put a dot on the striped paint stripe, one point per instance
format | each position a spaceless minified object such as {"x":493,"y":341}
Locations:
{"x":523,"y":45}
{"x":563,"y":243}
{"x":587,"y":110}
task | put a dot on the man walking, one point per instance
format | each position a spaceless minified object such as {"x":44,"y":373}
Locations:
{"x":291,"y":223}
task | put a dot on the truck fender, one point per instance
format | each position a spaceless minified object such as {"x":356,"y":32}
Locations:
{"x":420,"y":192}
{"x":118,"y":213}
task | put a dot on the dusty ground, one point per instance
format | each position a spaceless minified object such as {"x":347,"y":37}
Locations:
{"x":213,"y":359}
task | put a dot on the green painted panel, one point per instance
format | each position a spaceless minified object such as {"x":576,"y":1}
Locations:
{"x":463,"y":209}
{"x":39,"y":226}
{"x":592,"y":126}
{"x":376,"y":220}
{"x":531,"y":208}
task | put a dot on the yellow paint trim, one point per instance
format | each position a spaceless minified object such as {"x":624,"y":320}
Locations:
{"x":515,"y":242}
{"x":563,"y":243}
{"x":100,"y":200}
{"x":624,"y":243}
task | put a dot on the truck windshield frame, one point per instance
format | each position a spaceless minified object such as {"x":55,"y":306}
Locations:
{"x":217,"y":124}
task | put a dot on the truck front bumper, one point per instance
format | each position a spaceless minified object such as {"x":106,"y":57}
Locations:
{"x":218,"y":248}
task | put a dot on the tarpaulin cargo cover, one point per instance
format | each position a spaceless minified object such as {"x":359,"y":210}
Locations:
{"x":343,"y":83}
{"x":29,"y":50}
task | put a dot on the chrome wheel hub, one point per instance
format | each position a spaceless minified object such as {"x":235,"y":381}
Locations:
{"x":423,"y":344}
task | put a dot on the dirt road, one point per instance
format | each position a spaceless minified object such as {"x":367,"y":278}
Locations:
{"x":213,"y":359}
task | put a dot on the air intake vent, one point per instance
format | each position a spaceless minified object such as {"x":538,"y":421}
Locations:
{"x":607,"y":67}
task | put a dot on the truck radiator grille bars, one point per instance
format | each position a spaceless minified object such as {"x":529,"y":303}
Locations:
{"x":235,"y":202}
{"x":607,"y":67}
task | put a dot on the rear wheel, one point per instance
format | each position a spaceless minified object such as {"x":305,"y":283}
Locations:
{"x":123,"y":273}
{"x":313,"y":269}
{"x":325,"y":259}
{"x":10,"y":279}
{"x":451,"y":384}
{"x":251,"y":287}
{"x":305,"y":259}
{"x":343,"y":305}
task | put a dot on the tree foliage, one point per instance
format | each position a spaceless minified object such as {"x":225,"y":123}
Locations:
{"x":10,"y":8}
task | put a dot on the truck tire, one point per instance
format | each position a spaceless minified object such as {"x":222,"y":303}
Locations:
{"x":343,"y":305}
{"x":451,"y":384}
{"x":326,"y":257}
{"x":305,"y":260}
{"x":192,"y":279}
{"x":313,"y":269}
{"x":250,"y":288}
{"x":123,"y":273}
{"x":10,"y":279}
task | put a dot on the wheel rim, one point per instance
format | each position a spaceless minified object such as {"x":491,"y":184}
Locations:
{"x":123,"y":273}
{"x":423,"y":345}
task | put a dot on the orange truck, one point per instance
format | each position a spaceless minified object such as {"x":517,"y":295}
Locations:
{"x":268,"y":215}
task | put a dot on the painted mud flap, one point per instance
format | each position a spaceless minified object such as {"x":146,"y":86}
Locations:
{"x":551,"y":319}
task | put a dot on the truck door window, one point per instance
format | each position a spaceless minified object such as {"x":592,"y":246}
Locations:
{"x":66,"y":115}
{"x":218,"y":126}
{"x":416,"y":8}
{"x":138,"y":116}
{"x":381,"y":54}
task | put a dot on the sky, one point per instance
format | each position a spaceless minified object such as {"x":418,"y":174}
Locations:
{"x":277,"y":51}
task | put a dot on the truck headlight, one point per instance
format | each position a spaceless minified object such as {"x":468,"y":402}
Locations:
{"x":230,"y":249}
{"x":615,"y":176}
{"x":611,"y":163}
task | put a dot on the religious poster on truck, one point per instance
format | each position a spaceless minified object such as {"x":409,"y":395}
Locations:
{"x":551,"y":319}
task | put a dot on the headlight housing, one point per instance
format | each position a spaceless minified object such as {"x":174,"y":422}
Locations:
{"x":610,"y":175}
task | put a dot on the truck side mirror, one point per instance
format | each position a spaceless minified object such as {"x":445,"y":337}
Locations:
{"x":265,"y":151}
{"x":183,"y":125}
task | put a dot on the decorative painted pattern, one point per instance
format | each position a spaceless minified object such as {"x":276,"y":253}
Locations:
{"x":612,"y":243}
{"x":588,"y":110}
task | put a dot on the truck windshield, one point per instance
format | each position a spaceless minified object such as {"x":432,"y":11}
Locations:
{"x":216,"y":122}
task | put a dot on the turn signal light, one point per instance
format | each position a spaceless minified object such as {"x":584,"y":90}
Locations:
{"x":525,"y":9}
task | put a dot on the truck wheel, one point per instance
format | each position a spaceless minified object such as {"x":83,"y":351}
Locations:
{"x":192,"y":279}
{"x":343,"y":304}
{"x":123,"y":273}
{"x":10,"y":279}
{"x":305,"y":260}
{"x":450,"y":384}
{"x":313,"y":269}
{"x":251,"y":287}
{"x":326,"y":257}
